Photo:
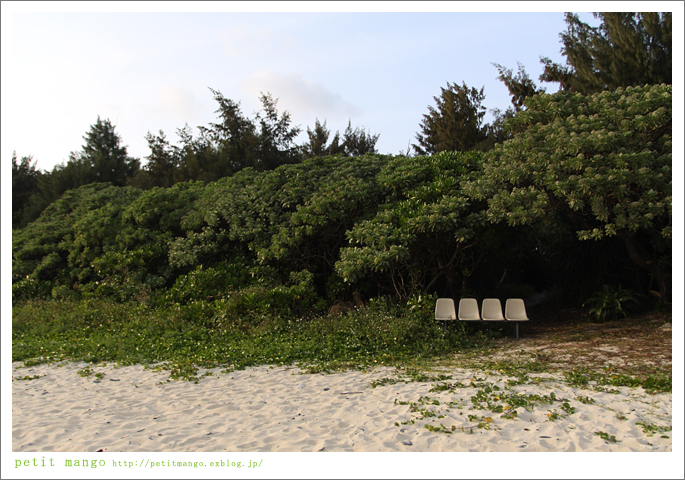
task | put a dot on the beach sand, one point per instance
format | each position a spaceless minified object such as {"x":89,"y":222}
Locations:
{"x":279,"y":409}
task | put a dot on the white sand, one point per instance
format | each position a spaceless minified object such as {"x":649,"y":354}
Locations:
{"x":277,"y":409}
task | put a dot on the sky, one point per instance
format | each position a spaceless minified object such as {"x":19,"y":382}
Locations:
{"x":148,"y":66}
{"x":147,"y":72}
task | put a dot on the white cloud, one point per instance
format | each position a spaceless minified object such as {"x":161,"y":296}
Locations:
{"x":300,"y":96}
{"x":177,"y":101}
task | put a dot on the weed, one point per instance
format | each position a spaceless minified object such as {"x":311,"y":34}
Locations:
{"x":652,"y":428}
{"x":441,"y":428}
{"x":566,"y":407}
{"x":85,"y":372}
{"x":606,"y":436}
{"x":27,"y":377}
{"x":585,"y":400}
{"x":652,"y":383}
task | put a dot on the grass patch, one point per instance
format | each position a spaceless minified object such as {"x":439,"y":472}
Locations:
{"x":98,"y":330}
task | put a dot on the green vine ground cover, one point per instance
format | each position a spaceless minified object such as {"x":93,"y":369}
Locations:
{"x":97,"y":330}
{"x":382,"y":333}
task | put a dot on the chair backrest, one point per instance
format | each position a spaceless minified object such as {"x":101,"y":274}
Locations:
{"x":468,"y":309}
{"x":492,"y":310}
{"x":444,"y":309}
{"x":515,"y":310}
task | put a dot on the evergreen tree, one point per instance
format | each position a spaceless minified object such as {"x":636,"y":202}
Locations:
{"x":102,"y":159}
{"x":162,"y":165}
{"x":456,"y":124}
{"x":25,"y":177}
{"x":107,"y":158}
{"x":276,"y":137}
{"x":354,"y":143}
{"x":358,"y":142}
{"x":263,"y":143}
{"x":626,"y":49}
{"x":318,"y":145}
{"x":234,"y":139}
{"x":520,"y":86}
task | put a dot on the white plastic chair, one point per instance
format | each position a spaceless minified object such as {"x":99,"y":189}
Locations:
{"x":492,"y":310}
{"x":444,"y":309}
{"x":468,"y":310}
{"x":515,"y":311}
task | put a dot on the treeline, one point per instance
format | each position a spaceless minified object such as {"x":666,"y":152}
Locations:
{"x":221,"y":149}
{"x":568,"y":191}
{"x":581,"y":197}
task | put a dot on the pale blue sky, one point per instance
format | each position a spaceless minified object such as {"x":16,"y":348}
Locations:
{"x":150,"y":71}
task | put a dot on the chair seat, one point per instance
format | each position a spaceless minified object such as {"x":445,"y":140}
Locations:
{"x":444,"y":309}
{"x":492,"y":310}
{"x":468,"y":310}
{"x":515,"y":310}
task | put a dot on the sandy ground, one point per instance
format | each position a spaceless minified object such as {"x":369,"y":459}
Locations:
{"x":279,"y":409}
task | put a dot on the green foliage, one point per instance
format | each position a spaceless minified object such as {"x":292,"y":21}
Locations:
{"x":291,"y":240}
{"x":25,"y":177}
{"x":604,"y":161}
{"x":652,"y":428}
{"x":102,"y":159}
{"x":289,"y":219}
{"x":606,"y":436}
{"x":520,"y":86}
{"x":209,"y":284}
{"x":41,"y":252}
{"x":610,"y":304}
{"x":626,"y":49}
{"x":456,"y":124}
{"x":652,"y":383}
{"x":421,"y":235}
{"x":101,"y":240}
{"x":97,"y":330}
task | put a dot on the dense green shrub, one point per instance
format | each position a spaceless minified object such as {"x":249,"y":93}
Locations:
{"x":611,"y":304}
{"x":424,"y":233}
{"x":602,"y":161}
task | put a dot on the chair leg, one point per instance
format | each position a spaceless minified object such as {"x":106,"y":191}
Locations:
{"x":517,"y":330}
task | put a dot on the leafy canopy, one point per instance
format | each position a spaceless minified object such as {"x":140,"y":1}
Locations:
{"x":603,"y":160}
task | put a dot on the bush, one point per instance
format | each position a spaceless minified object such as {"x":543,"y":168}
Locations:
{"x":609,"y":304}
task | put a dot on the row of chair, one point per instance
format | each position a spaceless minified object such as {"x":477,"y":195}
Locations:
{"x":491,"y":311}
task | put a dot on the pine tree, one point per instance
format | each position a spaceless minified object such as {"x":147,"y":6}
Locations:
{"x":318,"y":145}
{"x":25,"y":177}
{"x":107,"y":158}
{"x":455,"y":124}
{"x":520,"y":86}
{"x":358,"y":142}
{"x":626,"y":49}
{"x":275,"y":136}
